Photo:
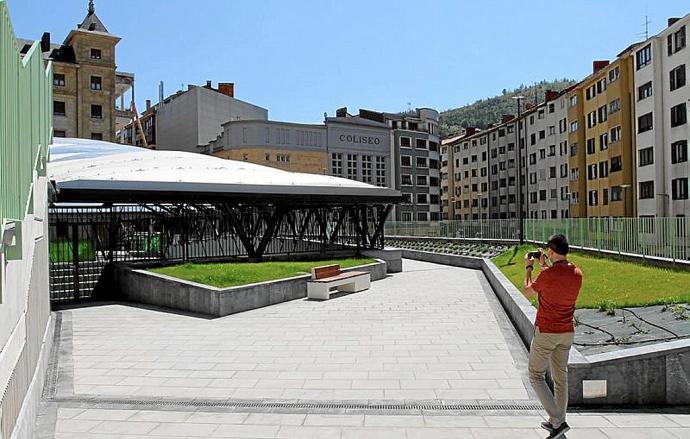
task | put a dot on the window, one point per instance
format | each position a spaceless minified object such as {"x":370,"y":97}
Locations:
{"x":421,"y":144}
{"x":644,"y":91}
{"x":367,"y":176}
{"x":616,"y":193}
{"x":422,"y":162}
{"x":542,"y":195}
{"x":59,"y":108}
{"x":381,"y":171}
{"x":616,"y":164}
{"x":679,"y":188}
{"x":645,"y":123}
{"x":614,"y":106}
{"x":679,"y":151}
{"x":615,"y":134}
{"x":405,"y":160}
{"x":591,"y":146}
{"x":591,"y":92}
{"x":352,"y":166}
{"x":573,"y":101}
{"x":96,"y":83}
{"x":337,"y":164}
{"x":422,"y":198}
{"x":646,"y":156}
{"x":677,"y":77}
{"x":58,"y":80}
{"x":592,"y":198}
{"x":433,"y":146}
{"x":405,"y":142}
{"x":552,"y":172}
{"x":282,"y":158}
{"x":601,"y":85}
{"x":564,"y":170}
{"x":603,"y":115}
{"x":422,"y":180}
{"x":603,"y":169}
{"x":644,"y":56}
{"x":614,"y":74}
{"x":573,"y":150}
{"x":96,"y":54}
{"x":59,"y":133}
{"x":96,"y":136}
{"x":592,"y":119}
{"x":592,"y":172}
{"x":646,"y":189}
{"x":679,"y":115}
{"x":604,"y":141}
{"x":406,"y":180}
{"x":676,"y":41}
{"x":573,"y":126}
{"x":96,"y":112}
{"x":407,"y":216}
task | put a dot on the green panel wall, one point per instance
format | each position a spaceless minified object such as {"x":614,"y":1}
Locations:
{"x":25,"y":120}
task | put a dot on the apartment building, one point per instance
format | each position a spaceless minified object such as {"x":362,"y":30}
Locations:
{"x":86,"y":83}
{"x":661,"y":96}
{"x":482,"y":175}
{"x":609,"y":142}
{"x":415,"y":155}
{"x":546,"y":133}
{"x":483,"y":169}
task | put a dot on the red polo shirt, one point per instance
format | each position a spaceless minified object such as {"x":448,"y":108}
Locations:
{"x":558,"y":288}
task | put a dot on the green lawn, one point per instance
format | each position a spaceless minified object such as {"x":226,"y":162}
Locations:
{"x":231,"y":274}
{"x":610,"y":283}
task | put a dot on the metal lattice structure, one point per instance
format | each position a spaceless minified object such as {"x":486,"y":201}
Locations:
{"x":85,"y":239}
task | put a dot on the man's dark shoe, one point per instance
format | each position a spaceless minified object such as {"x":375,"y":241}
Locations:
{"x":560,"y":431}
{"x":547,"y":426}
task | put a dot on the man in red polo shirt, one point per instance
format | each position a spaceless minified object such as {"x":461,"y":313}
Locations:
{"x":557,"y":288}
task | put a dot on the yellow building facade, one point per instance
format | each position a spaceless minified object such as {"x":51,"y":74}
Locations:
{"x":606,"y":143}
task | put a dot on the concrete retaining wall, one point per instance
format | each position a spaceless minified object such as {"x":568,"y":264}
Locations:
{"x":141,"y":286}
{"x":654,"y":375}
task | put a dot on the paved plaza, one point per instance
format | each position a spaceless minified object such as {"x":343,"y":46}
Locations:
{"x":427,"y":353}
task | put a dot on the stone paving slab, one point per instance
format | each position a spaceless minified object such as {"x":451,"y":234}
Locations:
{"x":129,"y":424}
{"x":427,"y":333}
{"x":430,"y":335}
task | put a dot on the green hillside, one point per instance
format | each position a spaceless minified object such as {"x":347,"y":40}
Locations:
{"x":490,"y":110}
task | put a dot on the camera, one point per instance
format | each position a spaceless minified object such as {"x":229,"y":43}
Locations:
{"x":534,"y":255}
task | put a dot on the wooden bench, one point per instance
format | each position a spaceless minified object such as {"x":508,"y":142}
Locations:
{"x":329,"y":278}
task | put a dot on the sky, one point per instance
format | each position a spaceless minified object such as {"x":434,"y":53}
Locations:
{"x":302,"y":58}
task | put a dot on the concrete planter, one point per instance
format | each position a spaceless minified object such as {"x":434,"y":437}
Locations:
{"x":141,"y":286}
{"x":654,"y":375}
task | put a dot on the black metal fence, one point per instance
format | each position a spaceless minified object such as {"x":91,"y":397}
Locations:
{"x":85,"y":239}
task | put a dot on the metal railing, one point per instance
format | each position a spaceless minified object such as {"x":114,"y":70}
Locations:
{"x":25,"y":120}
{"x":666,"y":238}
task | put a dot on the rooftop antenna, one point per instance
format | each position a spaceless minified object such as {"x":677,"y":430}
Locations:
{"x":409,"y":107}
{"x":647,"y":22}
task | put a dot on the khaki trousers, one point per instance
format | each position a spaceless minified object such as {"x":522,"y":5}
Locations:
{"x":551,"y":349}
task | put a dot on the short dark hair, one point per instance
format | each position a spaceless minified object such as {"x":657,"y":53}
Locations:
{"x":559,"y":244}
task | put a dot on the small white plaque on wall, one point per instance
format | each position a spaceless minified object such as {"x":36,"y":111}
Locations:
{"x":593,"y":389}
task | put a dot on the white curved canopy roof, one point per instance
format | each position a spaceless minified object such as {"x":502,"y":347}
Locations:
{"x":78,"y":165}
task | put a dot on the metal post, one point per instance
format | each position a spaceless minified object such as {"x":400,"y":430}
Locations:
{"x":75,"y":259}
{"x":518,"y":155}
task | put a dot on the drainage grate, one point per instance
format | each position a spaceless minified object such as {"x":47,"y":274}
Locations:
{"x":315,"y":405}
